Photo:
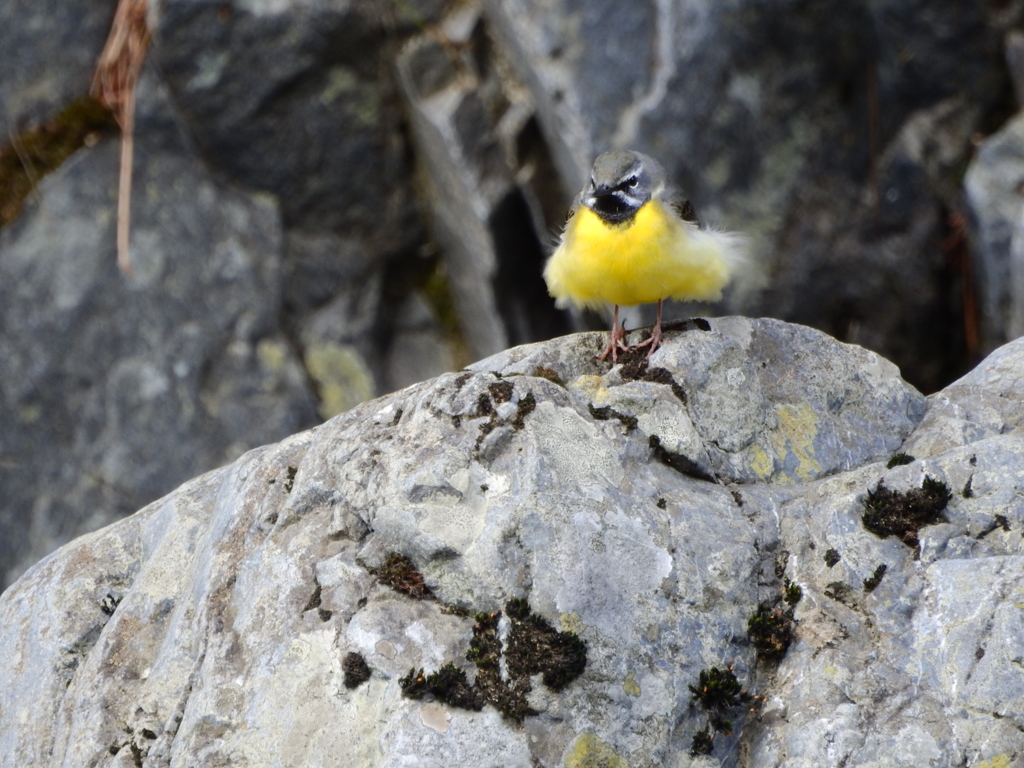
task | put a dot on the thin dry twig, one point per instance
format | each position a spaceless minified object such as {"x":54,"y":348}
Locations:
{"x":117,"y":73}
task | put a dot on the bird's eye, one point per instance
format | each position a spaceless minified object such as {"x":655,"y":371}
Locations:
{"x":632,"y":182}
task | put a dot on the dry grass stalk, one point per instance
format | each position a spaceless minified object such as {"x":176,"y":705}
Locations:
{"x":117,"y":73}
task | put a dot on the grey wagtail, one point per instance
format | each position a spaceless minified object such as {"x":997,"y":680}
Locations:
{"x":630,"y":238}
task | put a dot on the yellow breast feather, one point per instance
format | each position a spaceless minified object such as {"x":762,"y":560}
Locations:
{"x":653,"y":256}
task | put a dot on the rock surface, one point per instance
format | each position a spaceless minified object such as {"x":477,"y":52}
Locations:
{"x":215,"y":626}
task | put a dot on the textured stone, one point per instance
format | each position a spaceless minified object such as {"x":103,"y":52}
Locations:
{"x":116,"y":389}
{"x":213,"y":625}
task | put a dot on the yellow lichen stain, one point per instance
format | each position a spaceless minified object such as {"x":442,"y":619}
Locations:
{"x":589,"y":751}
{"x":760,"y":462}
{"x":798,"y":426}
{"x":592,"y":387}
{"x":999,"y":761}
{"x":30,"y":414}
{"x":271,"y":354}
{"x":341,"y":376}
{"x":571,"y":622}
{"x":630,"y":686}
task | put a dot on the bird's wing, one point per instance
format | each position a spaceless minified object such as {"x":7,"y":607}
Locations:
{"x":680,"y":203}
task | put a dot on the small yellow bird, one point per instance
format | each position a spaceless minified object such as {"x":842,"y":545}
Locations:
{"x":633,"y":238}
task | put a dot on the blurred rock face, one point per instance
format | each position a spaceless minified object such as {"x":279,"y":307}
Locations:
{"x":334,"y":200}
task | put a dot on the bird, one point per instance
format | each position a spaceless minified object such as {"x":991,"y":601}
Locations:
{"x":631,"y":237}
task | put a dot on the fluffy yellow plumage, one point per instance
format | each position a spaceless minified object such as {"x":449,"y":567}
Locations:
{"x":632,"y":238}
{"x":651,"y":257}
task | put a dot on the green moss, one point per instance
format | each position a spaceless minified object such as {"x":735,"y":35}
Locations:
{"x":890,"y":513}
{"x":832,"y":557}
{"x":30,"y":155}
{"x":770,"y":630}
{"x":289,"y":481}
{"x":718,"y":693}
{"x":899,"y":459}
{"x":792,"y":593}
{"x":703,"y":743}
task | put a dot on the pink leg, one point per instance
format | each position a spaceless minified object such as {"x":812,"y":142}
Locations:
{"x":655,"y":339}
{"x":616,"y":343}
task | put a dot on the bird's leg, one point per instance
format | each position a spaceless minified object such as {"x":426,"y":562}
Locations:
{"x":616,"y":343}
{"x":655,"y":338}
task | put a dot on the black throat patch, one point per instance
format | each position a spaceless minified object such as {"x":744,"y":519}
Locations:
{"x":614,"y":208}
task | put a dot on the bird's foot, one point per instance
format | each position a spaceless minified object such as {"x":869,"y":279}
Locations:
{"x":653,"y":341}
{"x":616,"y":343}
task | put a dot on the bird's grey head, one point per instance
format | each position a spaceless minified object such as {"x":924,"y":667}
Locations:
{"x":620,"y":183}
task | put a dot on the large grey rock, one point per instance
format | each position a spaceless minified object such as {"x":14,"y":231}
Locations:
{"x":212,"y":626}
{"x":116,"y":389}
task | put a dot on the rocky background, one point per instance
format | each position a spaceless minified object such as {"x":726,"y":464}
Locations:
{"x":336,"y":198}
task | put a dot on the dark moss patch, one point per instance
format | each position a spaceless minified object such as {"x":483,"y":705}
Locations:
{"x":534,"y":647}
{"x":550,"y":374}
{"x":484,"y":406}
{"x":737,"y":497}
{"x":635,"y":368}
{"x":718,"y":691}
{"x":840,"y":591}
{"x":1002,"y":522}
{"x":29,"y":156}
{"x":398,"y":417}
{"x":501,"y":391}
{"x":485,"y":649}
{"x":289,"y":481}
{"x":607,"y":412}
{"x":875,"y":578}
{"x":968,"y":491}
{"x":633,"y":362}
{"x":109,"y":604}
{"x":682,"y":464}
{"x":664,"y":376}
{"x":889,"y":513}
{"x":770,"y":630}
{"x":792,"y":593}
{"x":662,"y":504}
{"x":356,"y":670}
{"x":832,"y":557}
{"x":448,"y":685}
{"x":314,"y":602}
{"x":719,"y":694}
{"x":899,"y":459}
{"x":703,"y":743}
{"x":527,"y":405}
{"x":398,"y":572}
